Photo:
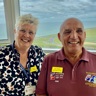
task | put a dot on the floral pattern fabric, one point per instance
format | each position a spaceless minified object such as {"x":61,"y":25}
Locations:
{"x":12,"y":78}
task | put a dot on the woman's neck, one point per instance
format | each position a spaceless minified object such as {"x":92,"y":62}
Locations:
{"x":23,"y":55}
{"x":21,"y":50}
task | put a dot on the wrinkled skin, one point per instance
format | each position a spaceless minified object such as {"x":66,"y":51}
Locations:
{"x":72,"y":37}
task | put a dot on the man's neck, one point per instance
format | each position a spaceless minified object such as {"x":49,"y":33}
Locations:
{"x":73,"y":57}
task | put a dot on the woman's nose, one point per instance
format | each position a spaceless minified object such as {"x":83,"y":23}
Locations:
{"x":27,"y":34}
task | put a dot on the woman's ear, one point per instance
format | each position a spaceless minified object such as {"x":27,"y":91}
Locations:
{"x":14,"y":30}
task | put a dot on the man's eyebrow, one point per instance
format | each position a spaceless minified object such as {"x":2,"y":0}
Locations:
{"x":71,"y":29}
{"x":67,"y":29}
{"x":80,"y":28}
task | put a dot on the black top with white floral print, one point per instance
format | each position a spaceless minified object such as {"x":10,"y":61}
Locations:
{"x":12,"y":78}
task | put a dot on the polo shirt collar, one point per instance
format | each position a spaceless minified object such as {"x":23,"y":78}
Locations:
{"x":84,"y":57}
{"x":61,"y":55}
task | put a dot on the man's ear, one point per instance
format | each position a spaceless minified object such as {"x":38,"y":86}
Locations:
{"x":85,"y":34}
{"x":59,"y":36}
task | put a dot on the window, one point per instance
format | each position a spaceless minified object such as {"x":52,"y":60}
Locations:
{"x":52,"y":13}
{"x":3,"y":30}
{"x":9,"y":11}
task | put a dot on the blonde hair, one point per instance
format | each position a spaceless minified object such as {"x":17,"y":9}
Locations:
{"x":26,"y":19}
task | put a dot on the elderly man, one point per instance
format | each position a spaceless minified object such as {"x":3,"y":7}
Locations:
{"x":70,"y":71}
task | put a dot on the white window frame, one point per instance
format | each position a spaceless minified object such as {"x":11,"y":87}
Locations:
{"x":11,"y":8}
{"x":12,"y":11}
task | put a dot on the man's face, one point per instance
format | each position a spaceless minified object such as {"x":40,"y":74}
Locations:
{"x":72,"y":36}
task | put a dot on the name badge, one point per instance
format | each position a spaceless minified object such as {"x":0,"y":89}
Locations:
{"x":33,"y":69}
{"x":57,"y":69}
{"x":29,"y":90}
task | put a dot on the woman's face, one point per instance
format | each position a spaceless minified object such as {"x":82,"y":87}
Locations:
{"x":24,"y":36}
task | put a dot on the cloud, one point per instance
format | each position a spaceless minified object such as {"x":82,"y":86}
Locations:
{"x":59,"y":9}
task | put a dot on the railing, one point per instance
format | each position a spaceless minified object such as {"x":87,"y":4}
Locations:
{"x":50,"y":50}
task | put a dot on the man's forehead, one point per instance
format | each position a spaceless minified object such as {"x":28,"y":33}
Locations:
{"x":72,"y":23}
{"x":72,"y":26}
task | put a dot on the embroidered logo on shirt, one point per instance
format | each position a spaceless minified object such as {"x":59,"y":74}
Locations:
{"x":33,"y":69}
{"x":90,"y":79}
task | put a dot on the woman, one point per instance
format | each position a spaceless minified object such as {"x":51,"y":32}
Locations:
{"x":20,"y":63}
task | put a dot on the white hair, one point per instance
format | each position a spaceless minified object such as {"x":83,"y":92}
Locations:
{"x":26,"y":19}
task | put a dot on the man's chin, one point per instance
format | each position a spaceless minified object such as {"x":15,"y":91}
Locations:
{"x":75,"y":50}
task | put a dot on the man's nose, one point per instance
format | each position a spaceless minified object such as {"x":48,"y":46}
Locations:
{"x":74,"y":34}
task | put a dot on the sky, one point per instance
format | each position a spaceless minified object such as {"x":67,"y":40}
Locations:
{"x":51,"y":13}
{"x":59,"y":9}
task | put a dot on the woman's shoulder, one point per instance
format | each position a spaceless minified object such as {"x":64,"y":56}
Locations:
{"x":37,"y":51}
{"x":36,"y":48}
{"x":5,"y":48}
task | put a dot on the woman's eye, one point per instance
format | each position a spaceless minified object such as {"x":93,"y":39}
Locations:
{"x":31,"y":33}
{"x":22,"y":30}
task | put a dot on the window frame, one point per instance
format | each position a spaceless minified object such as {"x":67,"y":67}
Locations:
{"x":12,"y":11}
{"x":11,"y":8}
